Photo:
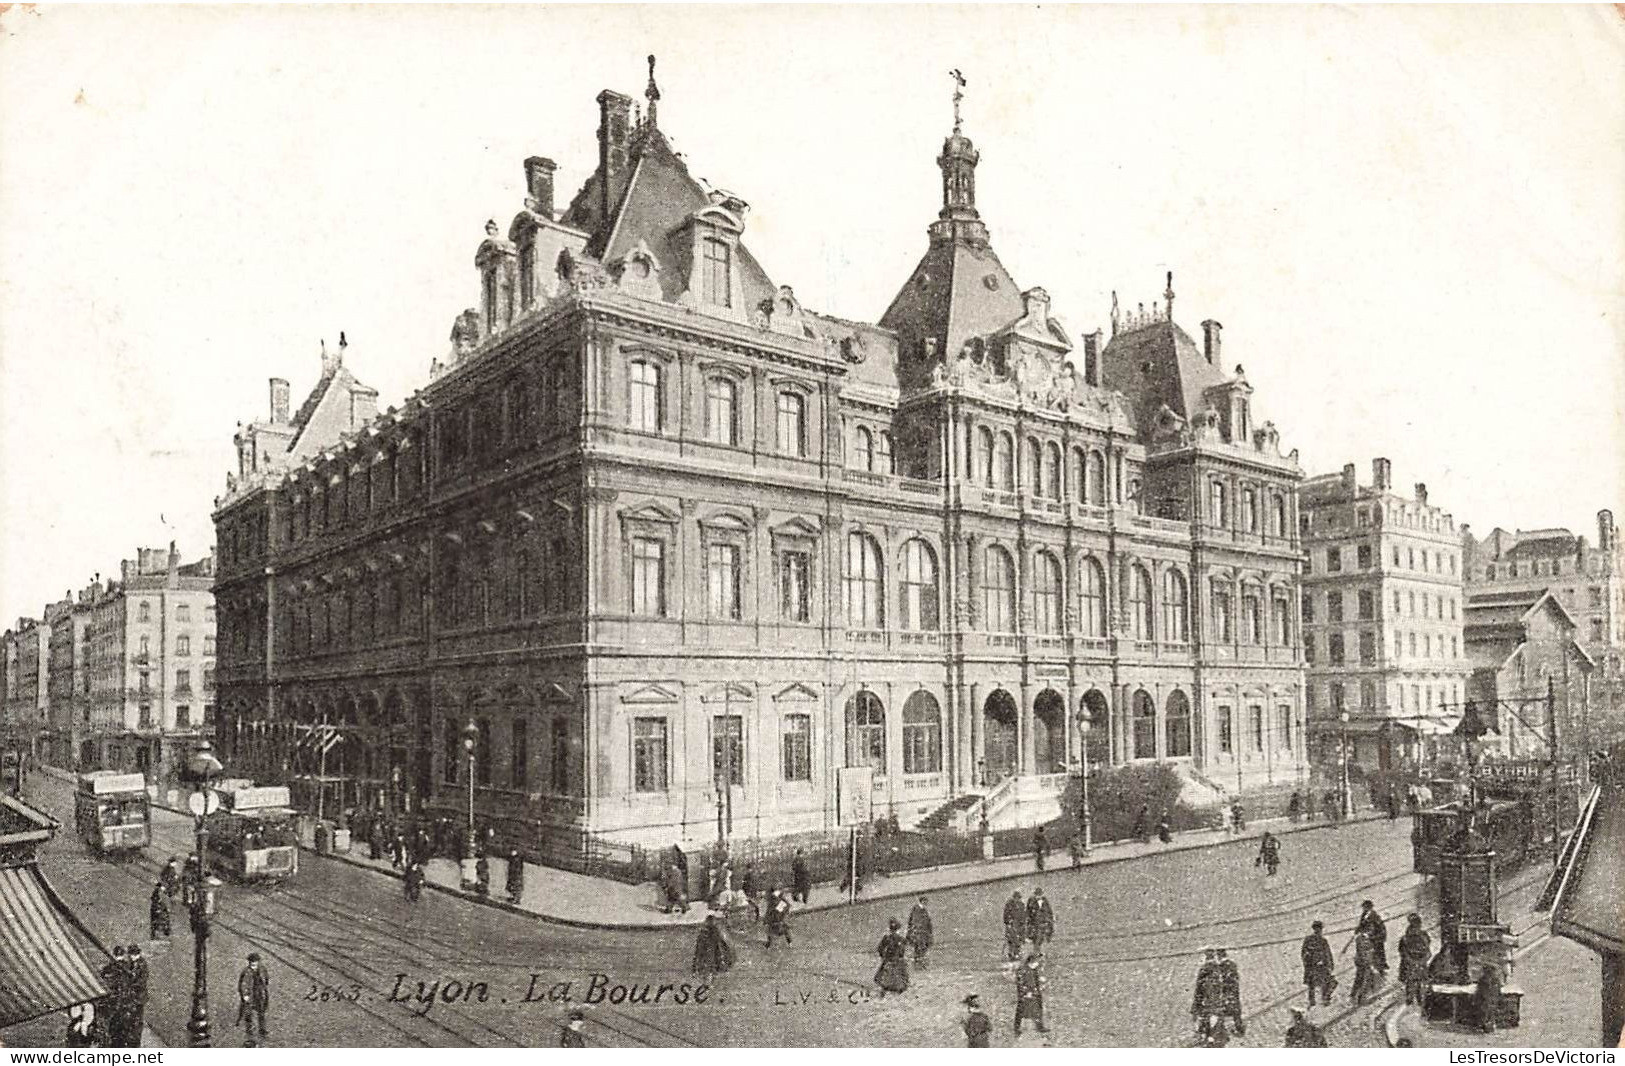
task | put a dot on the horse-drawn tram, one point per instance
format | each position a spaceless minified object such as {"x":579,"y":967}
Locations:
{"x":254,"y":837}
{"x":111,"y":811}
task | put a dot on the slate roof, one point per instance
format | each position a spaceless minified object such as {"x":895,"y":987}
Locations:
{"x":958,"y":291}
{"x":1507,"y":608}
{"x":1159,"y":364}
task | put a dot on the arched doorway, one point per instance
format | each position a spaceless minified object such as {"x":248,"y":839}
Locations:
{"x":1177,"y":715}
{"x":1049,"y":732}
{"x":999,"y":744}
{"x":1098,"y":740}
{"x":1144,"y":718}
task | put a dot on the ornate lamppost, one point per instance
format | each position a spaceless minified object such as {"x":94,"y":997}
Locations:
{"x":201,"y":771}
{"x":1085,"y":723}
{"x":1346,"y":803}
{"x":471,"y":737}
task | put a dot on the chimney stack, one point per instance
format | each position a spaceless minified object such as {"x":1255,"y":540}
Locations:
{"x":1382,"y":474}
{"x":539,"y":184}
{"x":279,"y":401}
{"x":1421,"y":493}
{"x":1091,"y":358}
{"x":1351,"y":481}
{"x":1605,"y":531}
{"x":1211,"y":340}
{"x":614,"y":113}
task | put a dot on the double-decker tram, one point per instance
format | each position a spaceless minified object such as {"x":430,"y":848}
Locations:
{"x":111,"y":811}
{"x":253,"y":836}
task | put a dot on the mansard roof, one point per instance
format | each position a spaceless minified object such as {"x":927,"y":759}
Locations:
{"x":960,"y":290}
{"x":1158,"y":363}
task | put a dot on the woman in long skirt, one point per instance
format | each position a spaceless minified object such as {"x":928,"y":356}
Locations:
{"x":893,"y":951}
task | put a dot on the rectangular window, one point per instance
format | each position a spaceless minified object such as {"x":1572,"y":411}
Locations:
{"x":722,"y":580}
{"x":1334,"y":606}
{"x":1283,"y":622}
{"x":1252,"y":620}
{"x":183,"y":613}
{"x":1283,"y":726}
{"x":1368,"y":648}
{"x":208,"y":645}
{"x":647,"y":403}
{"x":1335,"y":691}
{"x":183,"y":680}
{"x":1308,"y":607}
{"x":1227,"y":730}
{"x":1368,"y":605}
{"x":648,"y":755}
{"x":1223,"y":625}
{"x":792,"y":428}
{"x":144,"y":681}
{"x":716,"y":275}
{"x":559,"y":751}
{"x":145,"y":721}
{"x":1334,"y":649}
{"x":1256,"y":714}
{"x":519,"y":755}
{"x":183,"y":645}
{"x":1309,"y":648}
{"x":1334,"y":560}
{"x":795,"y":586}
{"x":728,"y":749}
{"x":797,"y":747}
{"x":648,"y":577}
{"x":1364,"y":556}
{"x":183,"y":716}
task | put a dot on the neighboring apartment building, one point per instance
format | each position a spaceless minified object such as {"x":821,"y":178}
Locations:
{"x":670,"y":541}
{"x":29,"y":709}
{"x":1524,"y":647}
{"x":1382,"y":616}
{"x":67,"y":647}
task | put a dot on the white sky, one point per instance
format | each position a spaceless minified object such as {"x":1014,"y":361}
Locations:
{"x":1410,"y":220}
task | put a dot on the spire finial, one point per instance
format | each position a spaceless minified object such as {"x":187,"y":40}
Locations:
{"x":652,"y":94}
{"x":1168,"y":294}
{"x":959,"y":94}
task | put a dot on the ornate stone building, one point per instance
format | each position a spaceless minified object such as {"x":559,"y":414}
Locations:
{"x":686,"y":552}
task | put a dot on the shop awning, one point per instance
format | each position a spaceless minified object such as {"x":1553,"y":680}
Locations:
{"x":48,"y":961}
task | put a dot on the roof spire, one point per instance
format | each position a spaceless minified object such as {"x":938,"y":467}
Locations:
{"x":1168,"y":294}
{"x":652,"y":94}
{"x":959,"y":94}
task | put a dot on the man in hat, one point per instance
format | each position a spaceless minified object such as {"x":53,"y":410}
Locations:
{"x":116,"y":977}
{"x":750,"y":886}
{"x":1041,"y":848}
{"x":1230,"y":979}
{"x":712,"y":952}
{"x":570,"y":1034}
{"x":1030,"y":992}
{"x":158,"y":913}
{"x":1371,"y":924}
{"x":1040,"y":920}
{"x":1415,"y":949}
{"x":892,"y":976}
{"x":1015,"y":926}
{"x":516,"y":876}
{"x":919,"y":930}
{"x":978,"y":1028}
{"x":171,"y":877}
{"x":800,"y":878}
{"x":1269,"y":853}
{"x":1317,"y":963}
{"x":412,"y":882}
{"x":778,"y":917}
{"x":1207,"y":1000}
{"x":253,"y":997}
{"x":1302,"y":1033}
{"x":139,"y":971}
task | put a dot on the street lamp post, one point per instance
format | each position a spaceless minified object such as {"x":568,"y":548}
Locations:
{"x":471,"y":736}
{"x":201,"y":771}
{"x":1084,"y":725}
{"x":1346,"y":806}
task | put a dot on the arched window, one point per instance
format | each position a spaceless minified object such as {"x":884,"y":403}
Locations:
{"x":984,"y":456}
{"x":1053,"y":472}
{"x":1139,"y":601}
{"x":998,"y":590}
{"x":792,"y":424}
{"x":919,"y":587}
{"x":1177,"y":714}
{"x":647,"y":403}
{"x":865,"y":585}
{"x":922,"y":734}
{"x":1145,"y":725}
{"x":1080,"y":475}
{"x":884,"y":462}
{"x":721,"y":412}
{"x":866,"y":732}
{"x":1046,"y":593}
{"x":1005,"y":462}
{"x":863,"y":445}
{"x":1096,"y":477}
{"x":1175,"y":607}
{"x":1035,"y":467}
{"x":1092,"y":600}
{"x":1280,"y":516}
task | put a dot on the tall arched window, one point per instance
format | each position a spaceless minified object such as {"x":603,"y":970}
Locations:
{"x":1175,"y":607}
{"x":1097,"y":479}
{"x":998,"y":590}
{"x":984,"y":456}
{"x":863,"y":449}
{"x":1280,"y":516}
{"x":865,"y":585}
{"x":1139,"y":602}
{"x":1145,"y":725}
{"x":721,"y":411}
{"x":647,"y":406}
{"x":1005,"y":462}
{"x":884,"y":462}
{"x":1080,"y":475}
{"x":866,"y":732}
{"x":1046,"y":593}
{"x":1177,"y":716}
{"x":1035,"y":467}
{"x":918,"y":586}
{"x":922,"y":734}
{"x":1053,"y":472}
{"x":792,"y":424}
{"x":1092,"y":602}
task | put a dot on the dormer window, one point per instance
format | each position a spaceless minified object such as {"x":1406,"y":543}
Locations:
{"x":717,"y":272}
{"x":1244,"y":421}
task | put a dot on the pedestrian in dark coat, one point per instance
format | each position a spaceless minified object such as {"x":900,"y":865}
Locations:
{"x":139,"y":972}
{"x":978,"y":1027}
{"x":482,"y":875}
{"x":919,"y":930}
{"x":671,"y":884}
{"x":1207,"y":999}
{"x":171,"y":877}
{"x":570,"y":1034}
{"x":1317,"y":964}
{"x":712,"y":952}
{"x":1415,"y":950}
{"x":1141,"y":821}
{"x":1269,"y":853}
{"x":516,"y":876}
{"x":421,"y":845}
{"x":1030,"y":993}
{"x":1230,"y":978}
{"x":375,"y":840}
{"x":1164,"y":830}
{"x":253,"y":997}
{"x":1294,"y":808}
{"x":1075,"y":848}
{"x":1301,"y":1033}
{"x":116,"y":979}
{"x":158,"y":913}
{"x":1041,"y":847}
{"x":800,"y":878}
{"x":1015,"y":926}
{"x":750,"y":883}
{"x":412,"y":882}
{"x":1365,"y":966}
{"x":397,"y":851}
{"x":778,"y":918}
{"x":1238,"y":816}
{"x":892,"y":976}
{"x":1040,"y":920}
{"x":1371,"y":923}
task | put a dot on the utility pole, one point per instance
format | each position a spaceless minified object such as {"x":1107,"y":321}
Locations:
{"x":1551,"y":740}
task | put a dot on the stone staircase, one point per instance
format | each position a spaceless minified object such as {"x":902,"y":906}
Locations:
{"x":947,"y":814}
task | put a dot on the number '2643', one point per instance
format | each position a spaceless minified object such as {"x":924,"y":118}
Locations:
{"x":333,"y":994}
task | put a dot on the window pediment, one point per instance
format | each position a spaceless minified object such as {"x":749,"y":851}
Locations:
{"x":797,"y":693}
{"x":645,"y":351}
{"x":798,"y":527}
{"x":645,"y":695}
{"x":725,"y":522}
{"x":727,"y":693}
{"x":650,"y":512}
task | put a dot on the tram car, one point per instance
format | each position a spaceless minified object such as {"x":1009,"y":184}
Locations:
{"x":111,"y":811}
{"x":253,"y":837}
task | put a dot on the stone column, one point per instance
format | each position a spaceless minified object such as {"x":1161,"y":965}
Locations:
{"x":1024,"y":728}
{"x":978,"y":738}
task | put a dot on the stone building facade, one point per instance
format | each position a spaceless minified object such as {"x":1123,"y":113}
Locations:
{"x":1524,"y":648}
{"x":1382,"y":616}
{"x":683,"y":552}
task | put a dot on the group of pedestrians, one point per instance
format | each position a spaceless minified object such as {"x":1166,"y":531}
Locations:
{"x":1032,"y":920}
{"x":1217,"y":998}
{"x":124,"y":1010}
